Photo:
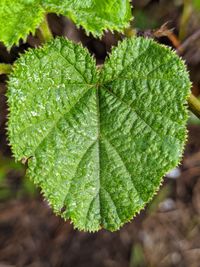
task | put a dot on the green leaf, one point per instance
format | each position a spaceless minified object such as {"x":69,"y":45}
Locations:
{"x":98,"y":142}
{"x":18,"y":19}
{"x":24,"y":16}
{"x":94,"y":15}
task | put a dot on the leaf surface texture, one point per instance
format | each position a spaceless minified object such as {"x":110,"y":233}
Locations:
{"x":19,"y":18}
{"x":94,"y":15}
{"x":98,"y":141}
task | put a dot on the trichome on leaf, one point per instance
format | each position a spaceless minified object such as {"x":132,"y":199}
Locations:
{"x":100,"y":141}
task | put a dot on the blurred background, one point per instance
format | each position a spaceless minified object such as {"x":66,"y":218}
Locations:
{"x":167,"y":232}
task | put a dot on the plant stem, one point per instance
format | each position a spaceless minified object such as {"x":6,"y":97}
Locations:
{"x":45,"y":32}
{"x":194,"y":105}
{"x":187,"y":11}
{"x":5,"y":68}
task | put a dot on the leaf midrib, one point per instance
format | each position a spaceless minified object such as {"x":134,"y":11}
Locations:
{"x":98,"y":147}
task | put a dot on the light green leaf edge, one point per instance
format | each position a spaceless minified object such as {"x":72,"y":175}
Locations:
{"x":12,"y":14}
{"x":18,"y":25}
{"x":106,"y":70}
{"x":113,"y":15}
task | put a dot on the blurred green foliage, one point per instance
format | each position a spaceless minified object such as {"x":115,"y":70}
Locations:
{"x":142,"y":21}
{"x":137,"y":256}
{"x":196,"y":4}
{"x":7,"y":167}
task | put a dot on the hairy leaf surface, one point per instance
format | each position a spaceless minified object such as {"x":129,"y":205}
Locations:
{"x":19,"y":18}
{"x":94,"y":15}
{"x":98,"y":142}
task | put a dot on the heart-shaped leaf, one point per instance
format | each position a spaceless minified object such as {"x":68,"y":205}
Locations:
{"x":98,"y":142}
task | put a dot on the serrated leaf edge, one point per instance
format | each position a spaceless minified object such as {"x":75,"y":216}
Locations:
{"x":131,"y":217}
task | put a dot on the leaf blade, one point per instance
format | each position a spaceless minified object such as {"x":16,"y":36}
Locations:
{"x":105,"y":153}
{"x":94,"y":16}
{"x":19,"y":19}
{"x":24,"y":17}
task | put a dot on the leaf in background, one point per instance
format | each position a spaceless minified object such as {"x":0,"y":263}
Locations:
{"x":94,"y":15}
{"x":18,"y":19}
{"x":22,"y":17}
{"x":99,"y":141}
